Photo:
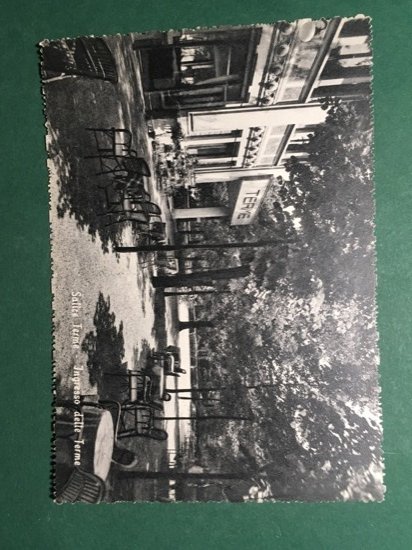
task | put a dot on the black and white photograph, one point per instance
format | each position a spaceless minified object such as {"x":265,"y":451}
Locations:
{"x":213,"y":264}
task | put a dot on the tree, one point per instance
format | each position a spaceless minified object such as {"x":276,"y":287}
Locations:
{"x":304,"y":318}
{"x":331,"y":196}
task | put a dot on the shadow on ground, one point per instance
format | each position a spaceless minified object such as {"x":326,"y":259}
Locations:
{"x":159,"y":327}
{"x":80,"y":194}
{"x":104,"y":345}
{"x":72,"y":106}
{"x":140,"y":355}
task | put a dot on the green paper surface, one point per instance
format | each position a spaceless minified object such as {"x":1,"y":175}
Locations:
{"x":29,"y":517}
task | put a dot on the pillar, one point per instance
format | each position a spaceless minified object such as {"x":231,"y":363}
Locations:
{"x":203,"y":212}
{"x":240,"y":119}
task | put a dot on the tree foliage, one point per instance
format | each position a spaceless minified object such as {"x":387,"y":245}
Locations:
{"x":304,"y":321}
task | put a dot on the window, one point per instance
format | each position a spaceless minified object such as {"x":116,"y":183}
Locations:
{"x":218,"y":150}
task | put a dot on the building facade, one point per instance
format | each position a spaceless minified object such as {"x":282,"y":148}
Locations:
{"x":247,"y":98}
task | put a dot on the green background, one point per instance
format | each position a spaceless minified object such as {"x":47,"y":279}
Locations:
{"x":29,"y":519}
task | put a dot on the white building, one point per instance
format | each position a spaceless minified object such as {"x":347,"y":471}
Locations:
{"x":247,"y":98}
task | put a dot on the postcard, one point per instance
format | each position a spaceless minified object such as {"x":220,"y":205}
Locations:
{"x":213,"y":257}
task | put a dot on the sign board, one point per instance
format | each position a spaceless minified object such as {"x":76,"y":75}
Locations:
{"x":249,"y":199}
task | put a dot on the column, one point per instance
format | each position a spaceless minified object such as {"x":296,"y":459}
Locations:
{"x":202,"y":212}
{"x":239,"y":119}
{"x":221,"y":175}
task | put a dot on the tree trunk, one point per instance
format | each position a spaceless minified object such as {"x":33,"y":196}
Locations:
{"x":182,"y":476}
{"x":195,"y":292}
{"x":211,"y":417}
{"x":183,"y":325}
{"x":195,"y":258}
{"x":219,"y":388}
{"x":200,"y":277}
{"x":200,"y":399}
{"x":194,"y":246}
